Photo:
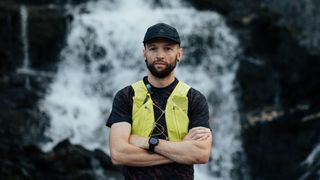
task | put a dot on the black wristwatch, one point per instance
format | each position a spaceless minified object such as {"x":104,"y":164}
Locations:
{"x":153,"y":142}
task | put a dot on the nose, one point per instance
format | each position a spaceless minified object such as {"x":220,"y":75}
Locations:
{"x":160,"y":54}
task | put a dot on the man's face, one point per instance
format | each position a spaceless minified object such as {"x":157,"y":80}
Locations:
{"x":161,"y":57}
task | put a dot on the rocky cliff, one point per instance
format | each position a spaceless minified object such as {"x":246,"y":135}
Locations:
{"x":44,"y":27}
{"x":278,"y":83}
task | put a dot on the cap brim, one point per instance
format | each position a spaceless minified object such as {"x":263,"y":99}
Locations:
{"x":161,"y":37}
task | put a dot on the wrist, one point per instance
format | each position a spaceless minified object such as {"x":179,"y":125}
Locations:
{"x":153,"y":142}
{"x":139,"y":141}
{"x":145,"y":144}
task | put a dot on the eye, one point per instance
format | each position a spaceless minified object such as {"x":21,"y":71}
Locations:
{"x":152,"y":48}
{"x":168,"y":48}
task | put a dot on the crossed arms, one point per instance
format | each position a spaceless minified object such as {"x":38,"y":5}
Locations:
{"x":131,"y":150}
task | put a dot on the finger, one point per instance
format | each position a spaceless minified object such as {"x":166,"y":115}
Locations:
{"x":200,"y":135}
{"x":199,"y":132}
{"x":199,"y":129}
{"x":204,"y":137}
{"x":196,"y":129}
{"x":196,"y":135}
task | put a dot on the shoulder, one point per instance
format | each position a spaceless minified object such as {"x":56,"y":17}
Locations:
{"x":121,"y":107}
{"x":125,"y":92}
{"x":198,"y":110}
{"x":124,"y":95}
{"x":194,"y":94}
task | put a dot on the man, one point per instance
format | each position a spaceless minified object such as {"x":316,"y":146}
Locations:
{"x":159,"y":125}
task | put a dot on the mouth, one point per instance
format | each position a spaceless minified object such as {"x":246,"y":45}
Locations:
{"x":160,"y":63}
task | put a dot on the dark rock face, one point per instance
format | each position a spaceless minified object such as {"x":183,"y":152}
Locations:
{"x":277,"y":149}
{"x":20,"y":92}
{"x":45,"y":2}
{"x":65,"y":162}
{"x":10,"y":42}
{"x":45,"y":29}
{"x":278,"y":83}
{"x":22,"y":123}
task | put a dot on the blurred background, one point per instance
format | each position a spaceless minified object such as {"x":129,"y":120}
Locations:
{"x":257,"y":63}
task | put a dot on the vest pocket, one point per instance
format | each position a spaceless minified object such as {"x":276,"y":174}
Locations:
{"x":142,"y":117}
{"x":181,"y":102}
{"x":182,"y":121}
{"x":177,"y":123}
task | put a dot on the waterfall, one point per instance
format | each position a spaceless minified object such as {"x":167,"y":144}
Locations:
{"x":104,"y":54}
{"x":25,"y":44}
{"x":26,"y":69}
{"x":24,"y":36}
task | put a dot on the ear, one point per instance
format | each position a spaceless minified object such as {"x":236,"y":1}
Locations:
{"x":144,"y":54}
{"x":180,"y":53}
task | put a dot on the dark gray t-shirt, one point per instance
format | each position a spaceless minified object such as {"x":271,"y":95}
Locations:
{"x":198,"y":116}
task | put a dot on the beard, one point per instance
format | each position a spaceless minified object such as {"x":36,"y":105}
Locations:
{"x":161,"y":73}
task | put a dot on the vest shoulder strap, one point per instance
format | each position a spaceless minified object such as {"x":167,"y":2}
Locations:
{"x":181,"y":89}
{"x":140,"y":90}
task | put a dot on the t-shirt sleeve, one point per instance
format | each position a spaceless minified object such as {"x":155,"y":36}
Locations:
{"x":121,"y":107}
{"x":198,"y":109}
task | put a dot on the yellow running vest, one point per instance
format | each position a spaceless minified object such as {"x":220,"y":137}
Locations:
{"x":176,"y":112}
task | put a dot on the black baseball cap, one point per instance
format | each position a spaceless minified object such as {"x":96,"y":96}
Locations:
{"x":162,"y":30}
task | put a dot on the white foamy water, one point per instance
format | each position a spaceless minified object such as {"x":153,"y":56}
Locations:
{"x":24,"y":37}
{"x":104,"y":54}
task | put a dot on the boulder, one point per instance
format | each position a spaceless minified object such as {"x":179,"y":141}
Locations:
{"x":65,"y":162}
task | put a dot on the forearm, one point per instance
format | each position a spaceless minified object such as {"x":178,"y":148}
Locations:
{"x":130,"y":155}
{"x":124,"y":153}
{"x":184,"y":152}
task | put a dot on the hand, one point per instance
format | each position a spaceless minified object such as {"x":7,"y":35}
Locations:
{"x":198,"y":133}
{"x":139,"y":141}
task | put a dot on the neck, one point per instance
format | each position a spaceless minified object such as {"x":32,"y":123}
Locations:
{"x":160,"y":82}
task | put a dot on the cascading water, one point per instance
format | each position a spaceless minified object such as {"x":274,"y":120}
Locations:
{"x":26,"y":69}
{"x":24,"y":36}
{"x":104,"y":54}
{"x":25,"y":44}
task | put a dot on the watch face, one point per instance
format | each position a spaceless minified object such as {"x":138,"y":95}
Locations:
{"x":153,"y":141}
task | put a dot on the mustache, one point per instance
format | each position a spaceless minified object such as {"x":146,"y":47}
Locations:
{"x":160,"y":62}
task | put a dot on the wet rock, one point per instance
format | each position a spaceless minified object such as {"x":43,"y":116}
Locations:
{"x":65,"y":162}
{"x":278,"y":146}
{"x":10,"y":46}
{"x":45,"y":2}
{"x":278,"y":83}
{"x":283,"y":77}
{"x":21,"y":89}
{"x":47,"y":30}
{"x":300,"y":17}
